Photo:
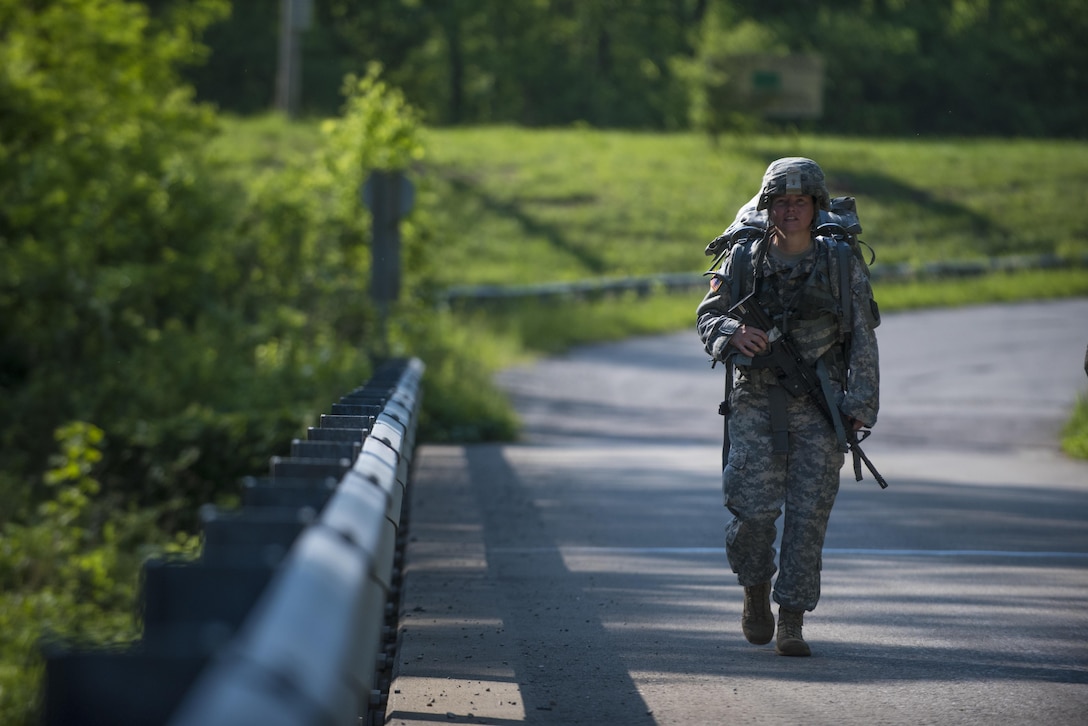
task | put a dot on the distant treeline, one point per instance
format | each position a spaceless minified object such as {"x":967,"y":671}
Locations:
{"x":891,"y":67}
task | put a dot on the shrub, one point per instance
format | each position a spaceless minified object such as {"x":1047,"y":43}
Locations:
{"x":71,"y":571}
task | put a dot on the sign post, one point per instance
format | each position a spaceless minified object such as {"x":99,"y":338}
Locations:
{"x":389,"y":196}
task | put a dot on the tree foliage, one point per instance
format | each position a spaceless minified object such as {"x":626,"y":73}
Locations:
{"x":1000,"y":67}
{"x":1006,"y":67}
{"x":105,"y":225}
{"x":196,"y":317}
{"x":71,"y":573}
{"x":190,"y":321}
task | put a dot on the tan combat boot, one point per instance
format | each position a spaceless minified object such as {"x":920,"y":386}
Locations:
{"x":758,"y":621}
{"x":790,"y":641}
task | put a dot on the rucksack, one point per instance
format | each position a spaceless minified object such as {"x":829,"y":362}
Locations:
{"x":839,"y":223}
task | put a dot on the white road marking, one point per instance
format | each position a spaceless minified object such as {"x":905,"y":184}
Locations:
{"x":827,"y":551}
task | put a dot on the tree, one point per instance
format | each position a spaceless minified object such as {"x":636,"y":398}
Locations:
{"x":105,"y":229}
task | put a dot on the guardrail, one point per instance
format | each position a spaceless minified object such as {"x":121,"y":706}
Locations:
{"x":470,"y":295}
{"x":289,"y":615}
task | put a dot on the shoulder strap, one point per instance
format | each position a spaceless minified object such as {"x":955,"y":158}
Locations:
{"x":846,"y":307}
{"x":742,"y":269}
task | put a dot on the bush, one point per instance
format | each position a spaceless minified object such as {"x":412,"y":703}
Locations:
{"x":107,"y":225}
{"x":71,"y":572}
{"x":200,"y":316}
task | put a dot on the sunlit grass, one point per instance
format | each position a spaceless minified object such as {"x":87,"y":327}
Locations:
{"x":245,"y":147}
{"x":995,"y":287}
{"x":518,"y":206}
{"x":515,"y":206}
{"x":525,"y":206}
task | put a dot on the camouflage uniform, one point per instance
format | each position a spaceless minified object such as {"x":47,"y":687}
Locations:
{"x":757,"y":482}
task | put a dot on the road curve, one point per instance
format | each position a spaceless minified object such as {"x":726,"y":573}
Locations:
{"x":577,"y":576}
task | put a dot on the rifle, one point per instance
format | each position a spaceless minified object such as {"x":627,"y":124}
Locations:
{"x":799,"y":379}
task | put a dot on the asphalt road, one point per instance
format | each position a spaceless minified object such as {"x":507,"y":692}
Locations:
{"x":577,"y":577}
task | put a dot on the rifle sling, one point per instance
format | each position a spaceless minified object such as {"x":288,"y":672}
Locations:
{"x":780,"y":422}
{"x":832,"y":405}
{"x":723,"y":410}
{"x":777,"y":397}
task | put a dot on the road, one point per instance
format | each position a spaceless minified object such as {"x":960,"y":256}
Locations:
{"x":578,"y":577}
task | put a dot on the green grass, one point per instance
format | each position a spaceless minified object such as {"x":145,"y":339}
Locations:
{"x":1075,"y":433}
{"x":515,"y":206}
{"x":996,"y":287}
{"x":245,"y":147}
{"x":524,"y":206}
{"x":518,"y":206}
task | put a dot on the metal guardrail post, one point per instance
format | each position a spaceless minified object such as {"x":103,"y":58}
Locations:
{"x":283,"y":619}
{"x":309,"y":651}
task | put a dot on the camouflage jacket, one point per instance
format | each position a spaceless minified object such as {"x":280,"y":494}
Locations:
{"x":803,"y":298}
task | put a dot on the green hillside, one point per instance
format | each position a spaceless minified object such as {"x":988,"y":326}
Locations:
{"x":521,"y":206}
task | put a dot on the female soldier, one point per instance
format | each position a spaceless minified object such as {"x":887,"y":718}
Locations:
{"x":783,"y":451}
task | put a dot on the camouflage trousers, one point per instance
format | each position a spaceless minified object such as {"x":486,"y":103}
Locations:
{"x":759,"y":484}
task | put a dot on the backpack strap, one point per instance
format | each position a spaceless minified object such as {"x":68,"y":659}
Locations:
{"x":742,"y":270}
{"x":846,"y":307}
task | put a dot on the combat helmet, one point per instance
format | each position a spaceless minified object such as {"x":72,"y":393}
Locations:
{"x":794,"y":175}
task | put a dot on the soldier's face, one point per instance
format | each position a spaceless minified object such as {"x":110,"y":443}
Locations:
{"x":792,"y":212}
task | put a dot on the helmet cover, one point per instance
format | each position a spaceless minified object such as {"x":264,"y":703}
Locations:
{"x":794,"y":175}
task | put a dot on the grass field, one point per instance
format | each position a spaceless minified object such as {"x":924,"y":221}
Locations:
{"x":515,"y":206}
{"x":518,"y":206}
{"x":524,"y":206}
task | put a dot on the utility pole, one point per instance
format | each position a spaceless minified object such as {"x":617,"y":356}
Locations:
{"x":295,"y":17}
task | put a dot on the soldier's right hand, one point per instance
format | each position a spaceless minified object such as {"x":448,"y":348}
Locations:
{"x":749,"y":341}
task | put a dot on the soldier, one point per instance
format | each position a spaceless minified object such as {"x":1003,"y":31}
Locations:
{"x":782,"y":450}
